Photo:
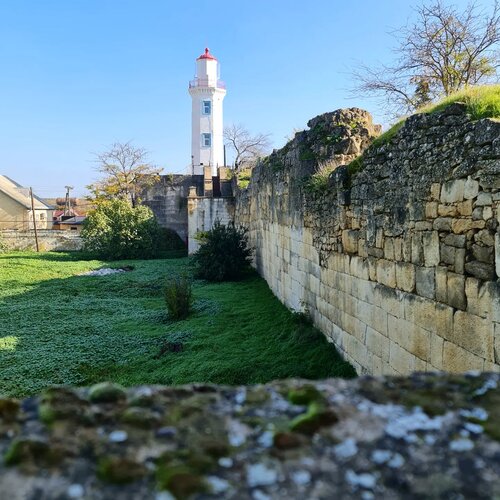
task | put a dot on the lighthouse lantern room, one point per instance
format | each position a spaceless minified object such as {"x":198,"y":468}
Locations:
{"x":207,"y":93}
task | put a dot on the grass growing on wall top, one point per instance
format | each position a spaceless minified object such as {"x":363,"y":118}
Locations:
{"x":57,"y":327}
{"x":481,"y":102}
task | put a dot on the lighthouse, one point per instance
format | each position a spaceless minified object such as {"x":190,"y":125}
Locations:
{"x":207,"y":93}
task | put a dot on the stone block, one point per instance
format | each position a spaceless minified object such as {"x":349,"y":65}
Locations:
{"x":431,"y":210}
{"x":405,"y":276}
{"x":430,"y":242}
{"x":487,"y":213}
{"x":389,"y":249}
{"x":473,"y":333}
{"x":448,"y":254}
{"x":426,"y":282}
{"x":400,"y":359}
{"x":435,"y":191}
{"x":398,"y":248}
{"x":483,"y":254}
{"x":480,"y":270}
{"x":452,"y":191}
{"x":377,"y":366}
{"x":437,"y":344}
{"x":455,"y":240}
{"x":350,"y":240}
{"x":456,"y":291}
{"x":471,"y":189}
{"x":459,"y":226}
{"x":411,"y":337}
{"x":485,"y":237}
{"x":377,"y":344}
{"x":359,"y":268}
{"x":442,"y":284}
{"x":389,"y":299}
{"x":447,"y":210}
{"x":386,"y":273}
{"x":458,"y":360}
{"x":442,"y":224}
{"x":459,"y":261}
{"x":416,"y":249}
{"x":406,"y":248}
{"x":423,"y":225}
{"x":366,"y":291}
{"x":362,"y":248}
{"x":465,"y":208}
{"x":379,"y":238}
{"x":483,"y":199}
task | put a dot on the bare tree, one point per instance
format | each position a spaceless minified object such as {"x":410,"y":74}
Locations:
{"x":442,"y":51}
{"x":126,"y":171}
{"x":246,"y":147}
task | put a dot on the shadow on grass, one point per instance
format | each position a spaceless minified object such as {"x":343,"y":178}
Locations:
{"x":82,"y":329}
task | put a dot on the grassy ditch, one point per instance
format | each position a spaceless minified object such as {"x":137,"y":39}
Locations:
{"x":59,"y":327}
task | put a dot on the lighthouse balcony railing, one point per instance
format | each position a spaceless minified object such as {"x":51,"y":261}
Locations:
{"x":207,"y":82}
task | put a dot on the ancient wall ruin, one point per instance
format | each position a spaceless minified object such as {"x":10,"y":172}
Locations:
{"x":398,"y":263}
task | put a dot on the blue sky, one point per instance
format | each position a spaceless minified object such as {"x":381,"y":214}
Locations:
{"x":78,"y":75}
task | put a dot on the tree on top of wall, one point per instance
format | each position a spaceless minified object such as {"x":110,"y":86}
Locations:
{"x":246,"y":147}
{"x":444,"y":50}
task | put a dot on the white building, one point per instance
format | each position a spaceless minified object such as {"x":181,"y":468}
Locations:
{"x":207,"y":93}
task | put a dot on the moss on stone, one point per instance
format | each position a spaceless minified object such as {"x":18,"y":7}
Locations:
{"x":317,"y":416}
{"x":180,"y":480}
{"x":31,"y":450}
{"x":60,"y":403}
{"x":304,"y":395}
{"x":140,"y":417}
{"x":9,"y":409}
{"x":119,"y":470}
{"x":491,"y":403}
{"x":286,"y":440}
{"x":107,"y":392}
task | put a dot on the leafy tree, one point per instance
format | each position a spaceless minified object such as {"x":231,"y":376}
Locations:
{"x":441,"y":52}
{"x":223,"y":255}
{"x":247,"y":147}
{"x":116,"y":230}
{"x":127,"y":173}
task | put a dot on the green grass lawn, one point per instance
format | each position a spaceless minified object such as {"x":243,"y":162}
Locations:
{"x":57,"y":327}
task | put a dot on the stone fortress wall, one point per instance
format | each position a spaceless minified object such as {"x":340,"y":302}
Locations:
{"x":398,"y":264}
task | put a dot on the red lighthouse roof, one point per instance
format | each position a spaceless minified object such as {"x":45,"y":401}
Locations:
{"x":207,"y":55}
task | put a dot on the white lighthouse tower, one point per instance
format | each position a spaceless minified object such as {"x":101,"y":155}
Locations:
{"x":207,"y":93}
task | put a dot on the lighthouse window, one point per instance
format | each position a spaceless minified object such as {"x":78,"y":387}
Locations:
{"x":206,"y":140}
{"x":207,"y":107}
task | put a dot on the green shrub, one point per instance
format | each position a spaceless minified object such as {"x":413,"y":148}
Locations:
{"x":116,"y":230}
{"x":179,"y":297}
{"x":223,"y":255}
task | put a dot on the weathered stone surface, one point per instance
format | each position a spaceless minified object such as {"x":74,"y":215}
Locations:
{"x":426,"y":282}
{"x":288,"y":439}
{"x":480,"y":270}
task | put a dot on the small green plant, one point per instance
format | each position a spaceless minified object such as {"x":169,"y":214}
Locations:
{"x":243,"y":177}
{"x":319,"y":181}
{"x":179,"y":297}
{"x":224,"y":254}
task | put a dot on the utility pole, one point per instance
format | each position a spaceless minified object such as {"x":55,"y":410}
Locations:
{"x":34,"y":220}
{"x":67,"y":202}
